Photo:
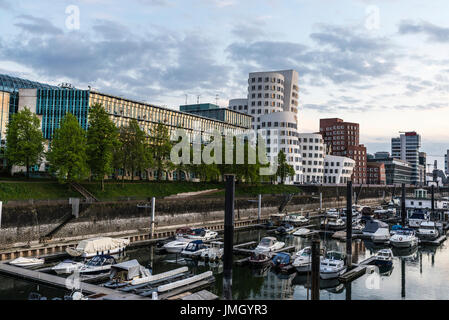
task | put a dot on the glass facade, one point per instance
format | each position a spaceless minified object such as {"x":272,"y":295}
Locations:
{"x":54,"y":104}
{"x":222,"y":114}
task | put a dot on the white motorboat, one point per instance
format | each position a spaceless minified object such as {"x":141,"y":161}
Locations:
{"x":332,"y":265}
{"x":357,"y":228}
{"x":194,"y":249}
{"x":381,"y":235}
{"x":27,"y":262}
{"x":303,"y":260}
{"x":302,"y":232}
{"x":428,"y":231}
{"x":296,"y":219}
{"x":269,"y":244}
{"x":404,"y":238}
{"x":333,"y":213}
{"x":418,"y":217}
{"x":98,"y":264}
{"x":333,"y":223}
{"x":202,"y":234}
{"x":98,"y":246}
{"x":214,"y":252}
{"x":372,"y":226}
{"x":384,"y":258}
{"x":67,"y":267}
{"x":356,"y":215}
{"x":177,"y":246}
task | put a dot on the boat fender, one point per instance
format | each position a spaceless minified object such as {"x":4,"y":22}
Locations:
{"x":400,"y":239}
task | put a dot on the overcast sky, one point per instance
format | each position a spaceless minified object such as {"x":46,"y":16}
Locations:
{"x":381,"y":63}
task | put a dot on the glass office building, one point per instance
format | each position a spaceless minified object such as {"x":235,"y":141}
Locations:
{"x":52,"y":103}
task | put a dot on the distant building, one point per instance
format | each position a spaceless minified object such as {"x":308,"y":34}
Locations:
{"x":376,"y":173}
{"x":342,"y":139}
{"x":313,"y":152}
{"x":446,"y":166}
{"x":382,"y":155}
{"x":406,"y":147}
{"x":396,"y":171}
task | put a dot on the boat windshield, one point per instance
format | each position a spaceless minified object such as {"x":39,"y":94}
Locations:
{"x":334,"y":255}
{"x":265,"y":242}
{"x":95,"y":261}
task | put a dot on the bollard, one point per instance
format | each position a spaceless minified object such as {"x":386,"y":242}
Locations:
{"x":403,"y":209}
{"x":315,"y":269}
{"x":349,"y":224}
{"x":228,"y":237}
{"x":153,"y":209}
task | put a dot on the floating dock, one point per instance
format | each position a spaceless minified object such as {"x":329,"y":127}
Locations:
{"x":357,"y":271}
{"x":436,"y":242}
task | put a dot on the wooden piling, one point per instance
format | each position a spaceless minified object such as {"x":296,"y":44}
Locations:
{"x":228,"y":237}
{"x":315,"y":268}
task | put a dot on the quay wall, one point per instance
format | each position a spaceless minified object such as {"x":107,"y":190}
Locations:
{"x":24,"y":225}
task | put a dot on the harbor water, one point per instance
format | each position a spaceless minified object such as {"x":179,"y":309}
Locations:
{"x":418,"y":274}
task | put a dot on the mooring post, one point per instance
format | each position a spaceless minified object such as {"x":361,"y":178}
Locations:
{"x":349,"y":224}
{"x":402,"y":278}
{"x":228,"y":237}
{"x":259,"y":208}
{"x":321,"y":201}
{"x":315,"y":268}
{"x":153,"y":210}
{"x":403,"y":209}
{"x":433,"y":202}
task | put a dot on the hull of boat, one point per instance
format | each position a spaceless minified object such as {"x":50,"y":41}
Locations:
{"x":107,"y":252}
{"x":383,"y":263}
{"x":304,"y":268}
{"x":325,"y":275}
{"x":404,"y":244}
{"x":66,"y":269}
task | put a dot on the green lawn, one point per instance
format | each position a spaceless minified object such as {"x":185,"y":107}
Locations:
{"x":145,"y":190}
{"x":34,"y":190}
{"x":20,"y":190}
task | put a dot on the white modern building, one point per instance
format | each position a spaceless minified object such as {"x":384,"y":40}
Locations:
{"x":273,"y":102}
{"x":337,"y":170}
{"x":313,"y":152}
{"x":406,"y":148}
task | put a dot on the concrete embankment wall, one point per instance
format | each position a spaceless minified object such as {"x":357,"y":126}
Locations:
{"x":26,"y":224}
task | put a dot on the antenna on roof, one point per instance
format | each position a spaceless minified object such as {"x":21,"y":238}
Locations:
{"x":216,"y":99}
{"x":186,"y":97}
{"x":198,"y":99}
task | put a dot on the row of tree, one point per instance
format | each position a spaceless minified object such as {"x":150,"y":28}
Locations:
{"x":103,"y":150}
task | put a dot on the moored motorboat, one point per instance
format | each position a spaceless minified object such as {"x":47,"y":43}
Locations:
{"x":286,"y":228}
{"x":98,"y":246}
{"x":418,"y":217}
{"x":303,"y":260}
{"x":27,"y":262}
{"x":371,"y":226}
{"x":281,"y":261}
{"x":302,"y":232}
{"x":428,"y":231}
{"x":123,"y":274}
{"x":214,"y":252}
{"x":332,"y":265}
{"x":259,"y":259}
{"x":381,"y":235}
{"x":404,"y":238}
{"x":202,"y":234}
{"x":384,"y":258}
{"x":194,"y":249}
{"x":333,"y":223}
{"x":296,"y":219}
{"x":98,"y":264}
{"x":177,"y":245}
{"x":269,"y":244}
{"x":67,"y":267}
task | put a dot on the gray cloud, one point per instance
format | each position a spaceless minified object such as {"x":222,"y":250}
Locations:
{"x":433,"y":32}
{"x":36,"y":25}
{"x":116,"y":60}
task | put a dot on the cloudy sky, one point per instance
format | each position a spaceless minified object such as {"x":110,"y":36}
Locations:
{"x":381,"y":63}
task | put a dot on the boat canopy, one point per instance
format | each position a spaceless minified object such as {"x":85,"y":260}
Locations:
{"x":372,"y":226}
{"x":132,"y":269}
{"x":419,"y":215}
{"x":396,"y":227}
{"x":282,"y":258}
{"x":101,"y":244}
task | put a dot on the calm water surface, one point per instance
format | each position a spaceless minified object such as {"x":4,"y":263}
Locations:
{"x":421,"y":274}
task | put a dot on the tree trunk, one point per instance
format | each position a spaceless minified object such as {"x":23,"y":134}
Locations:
{"x":28,"y":168}
{"x":102,"y":184}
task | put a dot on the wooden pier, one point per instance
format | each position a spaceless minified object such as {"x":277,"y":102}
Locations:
{"x":436,"y":242}
{"x":357,"y":271}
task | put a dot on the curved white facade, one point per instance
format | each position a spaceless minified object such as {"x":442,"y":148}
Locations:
{"x":273,"y":103}
{"x":313,"y":152}
{"x":337,"y":170}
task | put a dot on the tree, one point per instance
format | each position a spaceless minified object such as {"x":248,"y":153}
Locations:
{"x":25,"y":143}
{"x":102,"y":136}
{"x":131,"y":152}
{"x":160,"y":147}
{"x":284,"y":169}
{"x":67,"y":157}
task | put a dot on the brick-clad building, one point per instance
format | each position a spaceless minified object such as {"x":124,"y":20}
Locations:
{"x":342,"y":139}
{"x":376,"y":173}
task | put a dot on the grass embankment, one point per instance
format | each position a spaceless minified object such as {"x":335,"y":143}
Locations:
{"x":145,"y":190}
{"x":52,"y":190}
{"x":34,"y":190}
